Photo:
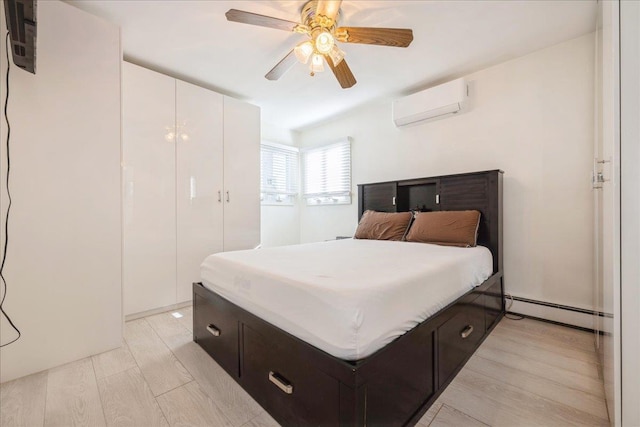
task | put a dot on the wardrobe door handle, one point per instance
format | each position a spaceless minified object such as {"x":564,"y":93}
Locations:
{"x":281,"y":382}
{"x":219,"y":196}
{"x":227,"y":197}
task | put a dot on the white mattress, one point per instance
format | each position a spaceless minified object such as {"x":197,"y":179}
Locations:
{"x":347,"y":297}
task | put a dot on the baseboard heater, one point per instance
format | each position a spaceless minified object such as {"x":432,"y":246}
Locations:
{"x":565,"y":315}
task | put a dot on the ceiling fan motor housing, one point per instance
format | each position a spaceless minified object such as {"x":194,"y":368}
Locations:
{"x":317,"y":22}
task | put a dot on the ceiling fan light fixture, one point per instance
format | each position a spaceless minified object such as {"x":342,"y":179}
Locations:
{"x":303,"y":51}
{"x":324,"y":42}
{"x":319,"y":21}
{"x":337,"y":55}
{"x":317,"y":64}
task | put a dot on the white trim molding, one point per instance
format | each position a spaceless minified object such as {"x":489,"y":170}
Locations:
{"x":630,"y":210}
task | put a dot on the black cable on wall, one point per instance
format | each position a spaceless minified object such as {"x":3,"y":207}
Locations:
{"x":6,"y":220}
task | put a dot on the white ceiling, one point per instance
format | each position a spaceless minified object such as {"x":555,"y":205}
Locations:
{"x":192,"y":40}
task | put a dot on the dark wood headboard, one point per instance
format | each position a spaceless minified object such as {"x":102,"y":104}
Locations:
{"x":480,"y":191}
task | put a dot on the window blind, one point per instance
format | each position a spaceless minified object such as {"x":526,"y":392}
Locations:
{"x":327,"y":174}
{"x":278,"y":173}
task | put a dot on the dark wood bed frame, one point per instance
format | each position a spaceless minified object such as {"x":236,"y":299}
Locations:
{"x":299,"y":384}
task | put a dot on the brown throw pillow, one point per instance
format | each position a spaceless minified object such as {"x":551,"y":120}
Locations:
{"x":450,"y":228}
{"x":383,"y":226}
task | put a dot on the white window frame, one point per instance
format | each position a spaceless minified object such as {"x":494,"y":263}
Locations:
{"x":283,"y":196}
{"x":324,"y":197}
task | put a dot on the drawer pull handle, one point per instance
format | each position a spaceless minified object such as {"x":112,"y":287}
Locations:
{"x":466,"y":332}
{"x":213,"y":330}
{"x":280,"y":382}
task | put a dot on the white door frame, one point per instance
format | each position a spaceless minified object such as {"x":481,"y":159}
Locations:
{"x":630,"y":210}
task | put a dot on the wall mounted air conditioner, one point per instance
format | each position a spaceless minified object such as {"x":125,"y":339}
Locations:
{"x":431,"y":104}
{"x":21,"y":24}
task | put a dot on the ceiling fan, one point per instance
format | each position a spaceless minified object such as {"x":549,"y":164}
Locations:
{"x":319,"y":20}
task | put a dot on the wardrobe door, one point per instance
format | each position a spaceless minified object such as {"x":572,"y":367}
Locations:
{"x":149,"y":211}
{"x":199,"y":166}
{"x":241,"y":175}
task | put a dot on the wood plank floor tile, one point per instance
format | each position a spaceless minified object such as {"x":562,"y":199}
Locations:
{"x":560,"y":335}
{"x":543,"y":387}
{"x":187,"y":318}
{"x":188,"y":405}
{"x":262,"y":420}
{"x":170,"y":330}
{"x":535,"y":408}
{"x":161,"y":369}
{"x":22,"y":401}
{"x":572,"y":360}
{"x":113,"y":362}
{"x":429,"y":415}
{"x":128,"y":401}
{"x":72,"y":396}
{"x":450,"y":417}
{"x":484,"y":409}
{"x":236,"y":403}
{"x":562,"y":376}
{"x":526,"y":373}
{"x":544,"y":343}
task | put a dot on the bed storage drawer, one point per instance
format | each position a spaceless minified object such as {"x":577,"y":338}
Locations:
{"x":294,"y":391}
{"x":215,"y":328}
{"x":459,"y":336}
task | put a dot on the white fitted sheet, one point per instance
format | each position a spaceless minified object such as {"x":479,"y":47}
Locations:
{"x":347,"y":297}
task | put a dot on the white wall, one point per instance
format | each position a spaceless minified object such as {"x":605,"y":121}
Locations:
{"x":64,"y":261}
{"x":531,"y":117}
{"x":280,"y":225}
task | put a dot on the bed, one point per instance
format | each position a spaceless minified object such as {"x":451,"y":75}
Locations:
{"x":320,"y":335}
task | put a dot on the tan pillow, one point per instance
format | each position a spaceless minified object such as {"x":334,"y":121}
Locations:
{"x":383,"y":226}
{"x":450,"y":228}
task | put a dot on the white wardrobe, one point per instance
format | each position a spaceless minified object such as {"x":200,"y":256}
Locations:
{"x":191,"y":184}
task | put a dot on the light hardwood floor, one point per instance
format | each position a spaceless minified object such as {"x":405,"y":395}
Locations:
{"x":526,"y":373}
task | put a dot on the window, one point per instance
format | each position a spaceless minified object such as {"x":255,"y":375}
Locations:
{"x":327,"y":174}
{"x":278,"y":174}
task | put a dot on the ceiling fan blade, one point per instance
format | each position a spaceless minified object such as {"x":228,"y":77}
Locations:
{"x":397,"y":37}
{"x":282,"y":67}
{"x":328,"y":8}
{"x":236,"y":15}
{"x":342,"y":72}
